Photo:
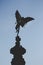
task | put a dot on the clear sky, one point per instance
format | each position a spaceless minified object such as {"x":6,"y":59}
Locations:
{"x":31,"y":35}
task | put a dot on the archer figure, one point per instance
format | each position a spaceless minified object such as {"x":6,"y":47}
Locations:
{"x":21,"y":21}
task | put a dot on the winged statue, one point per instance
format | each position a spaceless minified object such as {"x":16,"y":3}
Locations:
{"x":21,"y":21}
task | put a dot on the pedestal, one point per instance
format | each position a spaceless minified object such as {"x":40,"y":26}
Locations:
{"x":17,"y":52}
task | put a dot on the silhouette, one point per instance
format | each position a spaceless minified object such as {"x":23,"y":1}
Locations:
{"x":21,"y":21}
{"x":18,"y":50}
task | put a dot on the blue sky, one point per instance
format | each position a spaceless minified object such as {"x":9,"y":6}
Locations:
{"x":31,"y":35}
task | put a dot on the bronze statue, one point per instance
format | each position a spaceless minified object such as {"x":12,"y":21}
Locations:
{"x":18,"y":50}
{"x":21,"y":21}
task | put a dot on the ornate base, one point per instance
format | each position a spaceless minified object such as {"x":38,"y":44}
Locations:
{"x":17,"y":52}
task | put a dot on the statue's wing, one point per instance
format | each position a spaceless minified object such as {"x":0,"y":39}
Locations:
{"x":18,"y":16}
{"x":28,"y":19}
{"x":25,"y":20}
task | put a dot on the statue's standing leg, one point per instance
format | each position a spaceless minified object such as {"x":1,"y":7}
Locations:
{"x":17,"y":28}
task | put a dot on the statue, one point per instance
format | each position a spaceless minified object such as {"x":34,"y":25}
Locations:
{"x":18,"y":50}
{"x":21,"y":21}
